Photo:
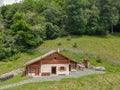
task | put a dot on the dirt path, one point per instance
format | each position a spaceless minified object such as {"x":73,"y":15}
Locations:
{"x":53,"y":78}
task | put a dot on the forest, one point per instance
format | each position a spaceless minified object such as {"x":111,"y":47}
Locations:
{"x":28,"y":24}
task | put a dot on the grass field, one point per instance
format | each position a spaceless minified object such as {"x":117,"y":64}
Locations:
{"x":18,"y":61}
{"x":90,"y":82}
{"x":101,"y":46}
{"x":110,"y":67}
{"x":17,"y":78}
{"x":108,"y":47}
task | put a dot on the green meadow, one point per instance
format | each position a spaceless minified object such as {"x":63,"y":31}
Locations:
{"x":100,"y":46}
{"x":90,"y":82}
{"x":17,"y":61}
{"x":108,"y":46}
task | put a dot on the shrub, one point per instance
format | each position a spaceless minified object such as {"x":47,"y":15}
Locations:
{"x":51,"y":31}
{"x":75,"y":45}
{"x":14,"y":57}
{"x":69,"y":38}
{"x":98,"y":60}
{"x":59,"y":43}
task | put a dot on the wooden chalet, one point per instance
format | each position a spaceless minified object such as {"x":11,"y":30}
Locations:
{"x":52,"y":63}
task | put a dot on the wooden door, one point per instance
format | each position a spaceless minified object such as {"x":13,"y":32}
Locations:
{"x":69,"y":67}
{"x":53,"y":70}
{"x":36,"y":70}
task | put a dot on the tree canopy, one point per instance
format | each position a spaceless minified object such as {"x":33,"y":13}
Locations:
{"x":27,"y":24}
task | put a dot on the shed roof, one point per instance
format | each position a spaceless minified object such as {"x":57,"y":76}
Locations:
{"x":43,"y":56}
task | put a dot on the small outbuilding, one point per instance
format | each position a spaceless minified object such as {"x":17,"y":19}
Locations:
{"x":52,"y":63}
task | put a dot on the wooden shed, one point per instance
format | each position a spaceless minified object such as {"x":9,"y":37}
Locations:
{"x":52,"y":63}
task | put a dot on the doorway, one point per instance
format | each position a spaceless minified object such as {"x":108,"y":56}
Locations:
{"x":69,"y":67}
{"x":53,"y":70}
{"x":34,"y":70}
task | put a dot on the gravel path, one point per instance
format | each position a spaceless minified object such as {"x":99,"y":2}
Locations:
{"x":53,"y":78}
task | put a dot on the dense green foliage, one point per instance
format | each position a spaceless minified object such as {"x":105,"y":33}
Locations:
{"x":29,"y":23}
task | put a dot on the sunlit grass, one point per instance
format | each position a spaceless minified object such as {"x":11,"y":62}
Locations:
{"x":18,"y":62}
{"x":110,"y":68}
{"x":105,"y":47}
{"x":90,"y":82}
{"x":101,"y":46}
{"x":15,"y":79}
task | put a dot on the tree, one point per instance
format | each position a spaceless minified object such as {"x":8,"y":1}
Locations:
{"x":28,"y":5}
{"x":39,"y":33}
{"x":51,"y":31}
{"x":52,"y":15}
{"x":4,"y":11}
{"x":41,"y":5}
{"x":20,"y":25}
{"x":34,"y":18}
{"x":18,"y":16}
{"x":109,"y":15}
{"x":8,"y":14}
{"x":93,"y":18}
{"x":76,"y":16}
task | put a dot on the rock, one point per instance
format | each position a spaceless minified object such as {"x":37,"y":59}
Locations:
{"x":81,"y":67}
{"x":100,"y":68}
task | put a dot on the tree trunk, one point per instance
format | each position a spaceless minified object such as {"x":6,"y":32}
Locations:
{"x":111,"y":29}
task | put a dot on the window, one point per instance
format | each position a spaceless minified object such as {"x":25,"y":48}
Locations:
{"x":32,"y":70}
{"x":62,"y":68}
{"x":54,"y":57}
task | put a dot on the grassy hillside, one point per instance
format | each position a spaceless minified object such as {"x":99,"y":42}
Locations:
{"x":101,"y":46}
{"x":96,"y":45}
{"x":108,"y":47}
{"x":91,"y":82}
{"x":110,"y":67}
{"x":17,"y":61}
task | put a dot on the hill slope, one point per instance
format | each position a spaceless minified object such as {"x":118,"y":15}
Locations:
{"x":101,"y":46}
{"x":105,"y":47}
{"x":91,"y":82}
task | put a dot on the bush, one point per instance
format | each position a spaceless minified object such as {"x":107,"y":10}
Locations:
{"x":75,"y":45}
{"x":99,"y":60}
{"x":101,"y":31}
{"x":69,"y":38}
{"x":51,"y":31}
{"x":14,"y":57}
{"x":59,"y":43}
{"x":2,"y":54}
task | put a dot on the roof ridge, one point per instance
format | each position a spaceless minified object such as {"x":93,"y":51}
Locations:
{"x":38,"y":58}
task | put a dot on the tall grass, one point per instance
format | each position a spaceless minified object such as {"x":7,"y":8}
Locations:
{"x":18,"y":62}
{"x":110,"y":67}
{"x":101,"y":46}
{"x":15,"y":79}
{"x":90,"y":82}
{"x":105,"y":47}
